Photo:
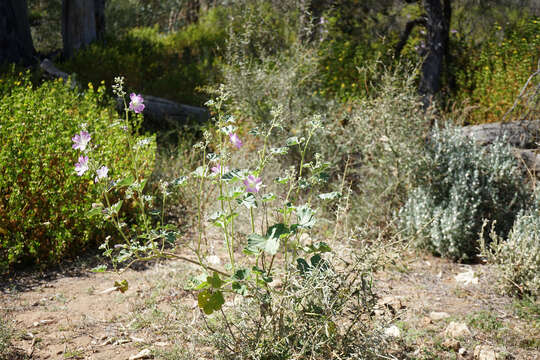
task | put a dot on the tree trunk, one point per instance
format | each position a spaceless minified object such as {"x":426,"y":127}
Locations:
{"x":15,"y":38}
{"x":437,"y":23}
{"x":83,"y":21}
{"x":100,"y":18}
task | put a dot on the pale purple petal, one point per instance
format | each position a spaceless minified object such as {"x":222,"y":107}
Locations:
{"x":218,"y":170}
{"x":235,"y":140}
{"x":136,"y":103}
{"x":82,"y":166}
{"x":81,"y":140}
{"x":101,"y":173}
{"x":253,"y":184}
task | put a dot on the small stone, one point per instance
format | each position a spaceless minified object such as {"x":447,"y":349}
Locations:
{"x":485,"y":352}
{"x":144,"y":354}
{"x":392,"y":303}
{"x":456,"y":330}
{"x":462,"y":351}
{"x":426,"y":321}
{"x":451,"y":344}
{"x":467,"y":278}
{"x":392,"y":331}
{"x":435,"y":315}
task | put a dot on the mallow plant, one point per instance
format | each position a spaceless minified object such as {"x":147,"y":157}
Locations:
{"x":280,"y":272}
{"x":274,"y":222}
{"x":146,"y":236}
{"x":285,"y":287}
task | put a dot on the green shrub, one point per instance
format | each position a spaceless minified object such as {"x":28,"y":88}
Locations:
{"x":489,"y":77}
{"x":460,"y":185}
{"x":377,"y":142}
{"x":518,"y":258}
{"x":165,"y":65}
{"x":43,"y":203}
{"x":322,"y":313}
{"x":5,"y":338}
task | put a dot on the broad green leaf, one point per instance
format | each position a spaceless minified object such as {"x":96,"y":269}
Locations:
{"x":249,"y":201}
{"x":122,"y":286}
{"x":277,"y":230}
{"x":115,"y":208}
{"x":263,"y":243}
{"x":330,"y":196}
{"x":302,"y":265}
{"x":126,"y":181}
{"x":293,"y":141}
{"x":210,"y":301}
{"x":239,"y":288}
{"x":306,"y":217}
{"x":241,"y":274}
{"x":99,"y":269}
{"x":320,"y":247}
{"x":215,"y":281}
{"x":268,"y":197}
{"x":317,"y":261}
{"x":94,"y":211}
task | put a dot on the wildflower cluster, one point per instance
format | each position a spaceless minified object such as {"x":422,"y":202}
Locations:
{"x":245,"y":204}
{"x":131,"y":186}
{"x":81,"y":141}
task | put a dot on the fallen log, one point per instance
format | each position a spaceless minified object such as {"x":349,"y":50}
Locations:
{"x":520,"y":134}
{"x":53,"y":72}
{"x":167,"y":114}
{"x":530,"y":158}
{"x":159,"y":113}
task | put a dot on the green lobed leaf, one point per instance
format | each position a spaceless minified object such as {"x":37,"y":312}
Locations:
{"x":305,"y":216}
{"x":215,"y":281}
{"x":210,"y":301}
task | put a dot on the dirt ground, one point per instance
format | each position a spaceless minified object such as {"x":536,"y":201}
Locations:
{"x":72,"y":314}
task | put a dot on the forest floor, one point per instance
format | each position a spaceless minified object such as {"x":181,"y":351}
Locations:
{"x":439,"y":314}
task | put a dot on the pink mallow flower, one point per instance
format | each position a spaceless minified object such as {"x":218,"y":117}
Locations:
{"x":81,"y":140}
{"x":253,"y":184}
{"x":235,"y":140}
{"x":101,"y":173}
{"x":82,"y":166}
{"x":217,"y":169}
{"x":136,"y":103}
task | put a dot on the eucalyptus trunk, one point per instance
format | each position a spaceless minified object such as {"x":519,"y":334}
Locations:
{"x":15,"y":39}
{"x":83,"y":21}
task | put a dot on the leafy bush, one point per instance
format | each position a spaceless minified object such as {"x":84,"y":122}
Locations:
{"x":322,"y":313}
{"x":377,"y":142}
{"x":518,"y":258}
{"x":43,"y":203}
{"x":489,"y":77}
{"x":460,"y":185}
{"x":166,"y":65}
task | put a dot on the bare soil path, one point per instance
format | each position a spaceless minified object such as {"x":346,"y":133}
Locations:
{"x":70,"y":315}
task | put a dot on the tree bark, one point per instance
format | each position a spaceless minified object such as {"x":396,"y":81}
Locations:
{"x":522,"y":134}
{"x":83,"y":21}
{"x":438,"y":16}
{"x":15,"y":39}
{"x":162,"y":114}
{"x":100,"y":18}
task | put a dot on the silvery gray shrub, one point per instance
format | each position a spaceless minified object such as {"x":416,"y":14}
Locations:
{"x":459,"y":185}
{"x":518,"y":258}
